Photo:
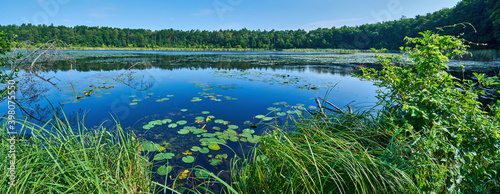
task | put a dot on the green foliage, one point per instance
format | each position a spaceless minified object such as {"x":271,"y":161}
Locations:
{"x":453,"y":139}
{"x":484,"y":15}
{"x":58,"y":158}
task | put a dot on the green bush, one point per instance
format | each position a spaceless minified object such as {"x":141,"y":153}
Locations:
{"x":456,"y":143}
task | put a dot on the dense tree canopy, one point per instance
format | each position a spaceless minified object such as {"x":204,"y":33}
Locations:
{"x":484,"y":15}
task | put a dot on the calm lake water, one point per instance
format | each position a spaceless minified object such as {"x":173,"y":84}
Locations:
{"x":166,"y":97}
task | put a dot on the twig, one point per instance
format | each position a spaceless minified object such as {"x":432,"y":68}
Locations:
{"x":320,"y":107}
{"x":332,"y":105}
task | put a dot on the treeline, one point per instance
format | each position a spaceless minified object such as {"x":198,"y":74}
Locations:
{"x":483,"y":14}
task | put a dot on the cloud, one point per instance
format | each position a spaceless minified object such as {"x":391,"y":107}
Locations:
{"x":203,"y":12}
{"x":101,"y":12}
{"x":330,"y":23}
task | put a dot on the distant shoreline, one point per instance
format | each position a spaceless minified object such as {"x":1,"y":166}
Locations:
{"x":209,"y":49}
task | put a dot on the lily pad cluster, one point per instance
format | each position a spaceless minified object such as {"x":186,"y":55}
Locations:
{"x":151,"y":124}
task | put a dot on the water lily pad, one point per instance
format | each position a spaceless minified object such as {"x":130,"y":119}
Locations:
{"x":208,"y":135}
{"x":205,"y":112}
{"x":170,"y":95}
{"x":254,"y":139}
{"x":311,"y":107}
{"x":199,"y":118}
{"x":183,"y":131}
{"x":132,"y":96}
{"x":184,"y":110}
{"x":232,"y":126}
{"x":150,"y":146}
{"x":165,"y":121}
{"x":204,"y":150}
{"x":195,"y":148}
{"x":151,"y":94}
{"x":181,"y":122}
{"x":214,"y":147}
{"x":172,"y":125}
{"x":273,"y":109}
{"x":198,"y":131}
{"x":246,"y":122}
{"x":216,"y":128}
{"x":260,"y":116}
{"x":188,"y":159}
{"x":163,"y":156}
{"x":234,"y":139}
{"x":219,"y":121}
{"x":243,"y":140}
{"x":148,"y":126}
{"x":133,"y":103}
{"x":267,"y":118}
{"x":221,"y":156}
{"x":164,"y":170}
{"x":281,"y":114}
{"x":215,"y":162}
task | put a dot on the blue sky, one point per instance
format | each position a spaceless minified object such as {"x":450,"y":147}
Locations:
{"x":214,"y":14}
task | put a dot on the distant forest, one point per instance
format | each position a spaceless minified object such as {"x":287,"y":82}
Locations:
{"x":483,"y":14}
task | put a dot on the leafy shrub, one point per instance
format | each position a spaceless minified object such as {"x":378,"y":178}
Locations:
{"x":454,"y":143}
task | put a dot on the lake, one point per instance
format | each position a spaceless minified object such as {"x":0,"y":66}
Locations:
{"x":207,"y":105}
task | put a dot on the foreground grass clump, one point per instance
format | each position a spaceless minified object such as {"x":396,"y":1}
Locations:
{"x":338,"y":154}
{"x":62,"y":159}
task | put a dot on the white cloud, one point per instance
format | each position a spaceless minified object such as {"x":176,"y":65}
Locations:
{"x":203,"y":12}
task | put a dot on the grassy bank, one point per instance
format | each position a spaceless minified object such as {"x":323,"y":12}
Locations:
{"x":57,"y":158}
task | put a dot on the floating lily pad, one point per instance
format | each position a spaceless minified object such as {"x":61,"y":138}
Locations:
{"x":181,"y":122}
{"x":172,"y":125}
{"x":133,"y":103}
{"x":205,"y":112}
{"x":199,"y":118}
{"x":132,"y":96}
{"x":246,"y":122}
{"x":216,"y":128}
{"x":221,"y":156}
{"x":267,"y":118}
{"x":170,"y":95}
{"x":163,"y":156}
{"x":148,"y":126}
{"x":151,"y":94}
{"x":273,"y":109}
{"x":188,"y":159}
{"x":220,"y":121}
{"x":150,"y":146}
{"x":164,"y":170}
{"x":208,"y":135}
{"x":232,"y":126}
{"x":195,"y":148}
{"x":204,"y":150}
{"x":184,"y":110}
{"x":254,"y":139}
{"x":260,"y":116}
{"x":281,"y":114}
{"x":311,"y":107}
{"x":165,"y":121}
{"x":198,"y":131}
{"x":234,"y":139}
{"x":214,"y":147}
{"x":215,"y":162}
{"x":183,"y":131}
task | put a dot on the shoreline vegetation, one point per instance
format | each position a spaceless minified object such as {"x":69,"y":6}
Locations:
{"x":321,"y":50}
{"x":426,"y":138}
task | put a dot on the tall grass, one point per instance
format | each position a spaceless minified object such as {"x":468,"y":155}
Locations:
{"x":340,"y":153}
{"x":58,"y":158}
